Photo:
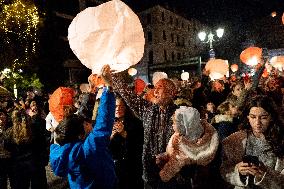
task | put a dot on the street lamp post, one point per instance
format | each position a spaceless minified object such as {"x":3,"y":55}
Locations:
{"x":210,"y":38}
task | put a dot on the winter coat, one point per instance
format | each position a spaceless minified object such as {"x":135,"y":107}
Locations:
{"x":224,"y":125}
{"x":233,"y":152}
{"x":157,"y":126}
{"x":126,"y":153}
{"x":181,"y":151}
{"x":88,"y":163}
{"x":28,"y":160}
{"x":4,"y":153}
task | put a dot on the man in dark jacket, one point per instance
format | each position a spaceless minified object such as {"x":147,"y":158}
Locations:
{"x":157,"y":125}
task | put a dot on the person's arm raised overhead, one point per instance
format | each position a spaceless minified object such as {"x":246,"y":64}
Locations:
{"x":98,"y":139}
{"x":135,"y":102}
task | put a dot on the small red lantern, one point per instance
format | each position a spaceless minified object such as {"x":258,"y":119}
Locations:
{"x":234,"y":67}
{"x":139,"y":85}
{"x":251,"y":56}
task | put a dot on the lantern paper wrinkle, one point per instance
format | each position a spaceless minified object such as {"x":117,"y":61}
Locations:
{"x":110,"y":33}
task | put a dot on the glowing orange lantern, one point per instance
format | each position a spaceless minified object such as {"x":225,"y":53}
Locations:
{"x":251,"y":56}
{"x":273,"y":14}
{"x":277,"y":62}
{"x":139,"y":85}
{"x":217,"y":68}
{"x":132,"y":71}
{"x":234,"y":67}
{"x":63,"y":96}
{"x":283,"y":18}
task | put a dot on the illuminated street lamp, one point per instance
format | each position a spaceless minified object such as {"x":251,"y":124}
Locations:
{"x":210,"y":38}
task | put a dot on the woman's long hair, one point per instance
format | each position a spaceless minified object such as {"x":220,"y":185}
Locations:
{"x":21,"y":130}
{"x":274,"y":133}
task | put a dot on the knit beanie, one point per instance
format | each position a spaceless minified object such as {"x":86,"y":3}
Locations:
{"x":188,"y":123}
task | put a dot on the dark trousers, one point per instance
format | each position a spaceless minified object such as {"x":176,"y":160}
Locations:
{"x":28,"y":173}
{"x":5,"y":166}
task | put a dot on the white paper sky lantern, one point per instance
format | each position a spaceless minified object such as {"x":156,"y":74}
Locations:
{"x":110,"y":33}
{"x":184,"y":76}
{"x":234,"y":67}
{"x":215,"y":66}
{"x":132,"y":71}
{"x":277,"y":62}
{"x":157,"y":76}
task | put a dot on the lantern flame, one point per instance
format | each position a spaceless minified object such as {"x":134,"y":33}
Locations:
{"x":252,"y":61}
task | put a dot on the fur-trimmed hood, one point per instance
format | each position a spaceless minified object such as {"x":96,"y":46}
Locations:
{"x":203,"y":151}
{"x":222,"y":118}
{"x":182,"y":151}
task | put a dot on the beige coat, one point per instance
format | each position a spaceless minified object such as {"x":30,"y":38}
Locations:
{"x":233,"y":151}
{"x":181,"y":151}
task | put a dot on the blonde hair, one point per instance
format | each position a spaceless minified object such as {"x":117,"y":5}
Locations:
{"x":21,"y":129}
{"x":224,"y":107}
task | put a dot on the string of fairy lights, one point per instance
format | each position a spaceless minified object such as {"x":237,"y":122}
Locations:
{"x":20,"y":19}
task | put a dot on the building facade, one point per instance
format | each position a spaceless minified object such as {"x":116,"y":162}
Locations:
{"x":171,"y":40}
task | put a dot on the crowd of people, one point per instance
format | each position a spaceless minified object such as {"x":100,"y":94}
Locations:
{"x":224,"y":133}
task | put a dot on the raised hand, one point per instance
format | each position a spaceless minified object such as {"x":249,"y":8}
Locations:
{"x":106,"y":75}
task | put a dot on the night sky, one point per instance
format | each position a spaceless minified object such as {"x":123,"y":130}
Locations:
{"x":235,"y":16}
{"x":214,"y":11}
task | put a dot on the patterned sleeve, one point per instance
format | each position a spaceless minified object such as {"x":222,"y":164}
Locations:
{"x":137,"y":104}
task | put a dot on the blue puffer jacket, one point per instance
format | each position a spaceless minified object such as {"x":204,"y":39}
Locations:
{"x":88,"y":163}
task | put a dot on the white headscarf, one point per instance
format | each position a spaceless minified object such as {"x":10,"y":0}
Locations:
{"x":188,"y":123}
